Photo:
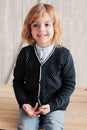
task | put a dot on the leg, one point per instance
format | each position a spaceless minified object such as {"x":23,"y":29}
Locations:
{"x":54,"y":120}
{"x":27,"y":123}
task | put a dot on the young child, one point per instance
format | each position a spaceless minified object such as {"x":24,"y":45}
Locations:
{"x":44,"y":75}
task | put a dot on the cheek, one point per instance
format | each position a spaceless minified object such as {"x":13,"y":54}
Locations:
{"x":52,"y":32}
{"x":33,"y":32}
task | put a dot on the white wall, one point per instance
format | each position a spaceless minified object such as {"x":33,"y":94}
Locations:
{"x":74,"y":19}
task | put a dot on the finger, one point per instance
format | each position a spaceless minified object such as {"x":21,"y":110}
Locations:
{"x":36,"y":106}
{"x":41,"y":111}
{"x":35,"y":115}
{"x":38,"y":112}
{"x":44,"y":107}
{"x":32,"y":114}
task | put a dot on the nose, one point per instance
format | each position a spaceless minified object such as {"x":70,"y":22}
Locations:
{"x":41,"y":27}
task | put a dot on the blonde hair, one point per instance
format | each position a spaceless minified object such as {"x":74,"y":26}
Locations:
{"x":36,"y":12}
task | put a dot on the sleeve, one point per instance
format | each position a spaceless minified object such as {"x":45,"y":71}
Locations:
{"x":19,"y":79}
{"x":68,"y":84}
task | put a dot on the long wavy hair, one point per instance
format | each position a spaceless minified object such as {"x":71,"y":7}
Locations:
{"x":36,"y":12}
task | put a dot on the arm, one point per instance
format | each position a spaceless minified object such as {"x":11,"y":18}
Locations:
{"x":68,"y":85}
{"x":19,"y":79}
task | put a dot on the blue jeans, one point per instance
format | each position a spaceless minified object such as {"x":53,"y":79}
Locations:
{"x":52,"y":121}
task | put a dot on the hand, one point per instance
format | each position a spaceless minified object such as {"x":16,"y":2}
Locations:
{"x":31,"y":111}
{"x":44,"y":109}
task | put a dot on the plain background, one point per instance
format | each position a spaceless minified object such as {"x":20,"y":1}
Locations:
{"x":73,"y":15}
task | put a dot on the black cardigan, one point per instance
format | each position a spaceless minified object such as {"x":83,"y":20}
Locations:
{"x":52,"y":81}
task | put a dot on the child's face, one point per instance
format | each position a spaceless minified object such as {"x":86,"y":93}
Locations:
{"x":42,"y":30}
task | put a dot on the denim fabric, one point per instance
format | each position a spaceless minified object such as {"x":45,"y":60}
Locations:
{"x":26,"y":122}
{"x":52,"y":121}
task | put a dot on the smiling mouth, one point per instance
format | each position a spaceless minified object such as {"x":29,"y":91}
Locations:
{"x":42,"y":35}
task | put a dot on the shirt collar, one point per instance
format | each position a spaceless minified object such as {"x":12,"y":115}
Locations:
{"x":45,"y":50}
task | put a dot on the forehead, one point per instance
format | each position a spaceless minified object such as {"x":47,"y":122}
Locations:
{"x":42,"y":18}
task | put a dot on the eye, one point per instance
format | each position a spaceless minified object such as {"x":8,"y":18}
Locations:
{"x":34,"y":25}
{"x":47,"y":24}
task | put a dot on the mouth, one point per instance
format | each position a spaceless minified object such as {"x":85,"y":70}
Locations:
{"x":42,"y":35}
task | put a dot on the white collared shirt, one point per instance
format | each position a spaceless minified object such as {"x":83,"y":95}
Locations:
{"x":44,"y":52}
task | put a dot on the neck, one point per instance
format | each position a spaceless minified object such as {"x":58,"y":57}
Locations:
{"x":44,"y":46}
